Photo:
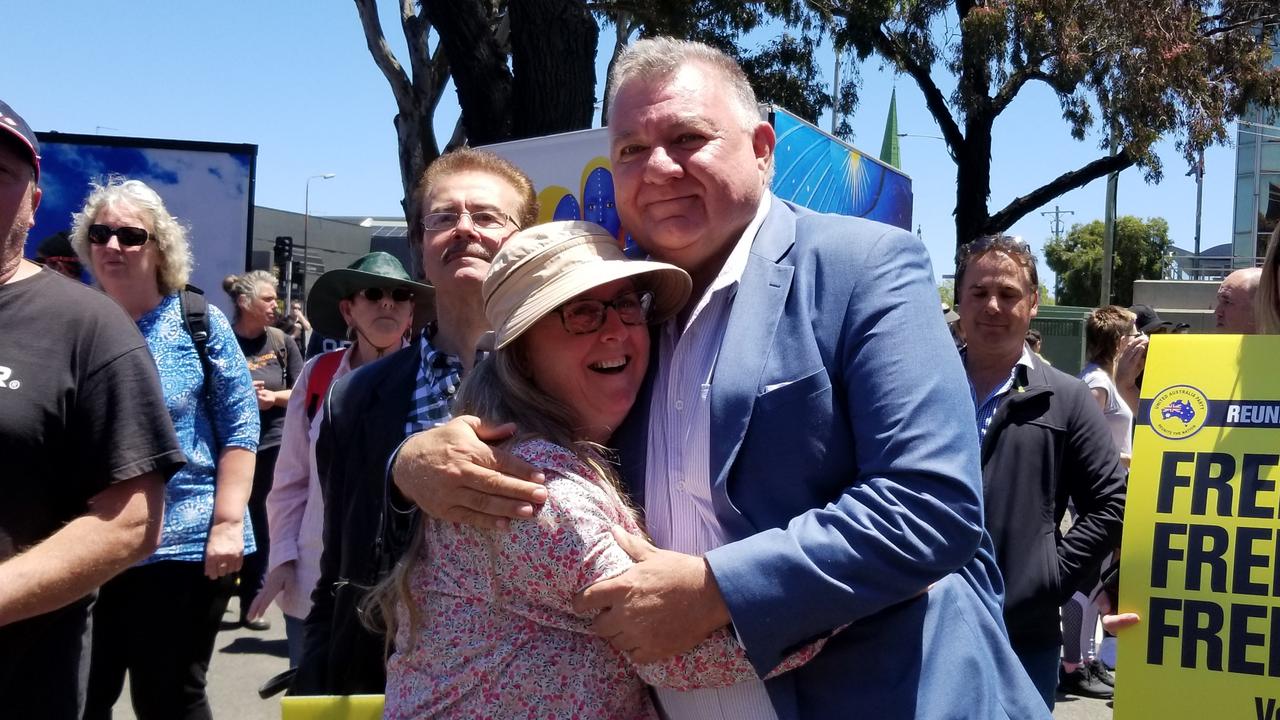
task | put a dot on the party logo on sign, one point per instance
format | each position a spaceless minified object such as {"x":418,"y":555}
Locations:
{"x":1178,"y":412}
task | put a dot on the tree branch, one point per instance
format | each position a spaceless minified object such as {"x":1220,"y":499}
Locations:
{"x":416,"y":27}
{"x":381,"y":52}
{"x":1014,"y":85}
{"x":440,"y":71}
{"x":933,"y":97}
{"x":1014,"y":211}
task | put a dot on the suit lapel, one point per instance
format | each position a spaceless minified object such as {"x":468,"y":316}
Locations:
{"x":753,"y":321}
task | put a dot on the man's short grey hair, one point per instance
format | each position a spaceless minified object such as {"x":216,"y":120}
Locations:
{"x":660,"y":57}
{"x":167,"y":233}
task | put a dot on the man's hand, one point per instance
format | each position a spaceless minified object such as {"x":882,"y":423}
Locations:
{"x":452,"y":474}
{"x":280,"y":577}
{"x":664,"y":605}
{"x":224,"y":552}
{"x":1115,"y":623}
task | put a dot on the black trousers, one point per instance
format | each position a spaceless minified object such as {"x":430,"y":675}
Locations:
{"x":254,"y":570}
{"x":158,"y":622}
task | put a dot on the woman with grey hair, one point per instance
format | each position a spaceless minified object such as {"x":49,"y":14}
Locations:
{"x":275,"y":364}
{"x":158,"y":620}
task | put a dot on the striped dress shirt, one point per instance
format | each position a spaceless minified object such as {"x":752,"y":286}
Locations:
{"x":985,"y":410}
{"x":677,"y":500}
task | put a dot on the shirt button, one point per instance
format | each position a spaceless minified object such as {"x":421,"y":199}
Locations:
{"x":679,"y":405}
{"x":680,"y":486}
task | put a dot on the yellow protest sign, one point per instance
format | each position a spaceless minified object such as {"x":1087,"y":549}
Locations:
{"x":1201,"y":552}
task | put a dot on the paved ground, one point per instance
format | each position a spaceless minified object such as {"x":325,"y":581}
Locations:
{"x":244,"y":659}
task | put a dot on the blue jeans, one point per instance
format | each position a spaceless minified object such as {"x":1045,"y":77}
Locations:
{"x":293,"y":628}
{"x":1041,"y":663}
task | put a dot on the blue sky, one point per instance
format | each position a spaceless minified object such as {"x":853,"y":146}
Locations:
{"x":296,"y":79}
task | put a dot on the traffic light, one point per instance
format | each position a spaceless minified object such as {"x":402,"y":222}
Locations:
{"x":283,"y":251}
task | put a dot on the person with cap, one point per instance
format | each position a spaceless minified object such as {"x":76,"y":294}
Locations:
{"x":87,"y":445}
{"x":571,"y":318}
{"x":375,"y":304}
{"x":466,"y":204}
{"x":55,"y":253}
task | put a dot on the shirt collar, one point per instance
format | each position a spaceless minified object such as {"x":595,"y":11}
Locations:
{"x":736,"y":264}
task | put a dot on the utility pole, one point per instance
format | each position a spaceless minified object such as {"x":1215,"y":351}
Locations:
{"x":1109,"y":226}
{"x":1199,"y":171}
{"x":835,"y":91}
{"x":1056,"y":223}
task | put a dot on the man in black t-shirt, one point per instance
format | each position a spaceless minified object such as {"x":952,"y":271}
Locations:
{"x":86,"y":446}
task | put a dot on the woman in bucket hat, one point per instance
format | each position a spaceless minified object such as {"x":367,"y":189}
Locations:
{"x":482,"y":621}
{"x":375,"y":305}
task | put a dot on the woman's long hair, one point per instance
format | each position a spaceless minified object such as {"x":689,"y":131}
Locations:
{"x":498,"y":390}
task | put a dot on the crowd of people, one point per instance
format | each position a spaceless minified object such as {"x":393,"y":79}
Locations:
{"x":748,"y":476}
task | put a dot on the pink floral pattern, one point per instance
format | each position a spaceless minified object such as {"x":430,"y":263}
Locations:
{"x":497,"y":636}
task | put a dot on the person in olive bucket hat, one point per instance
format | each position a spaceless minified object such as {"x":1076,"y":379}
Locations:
{"x":375,"y":304}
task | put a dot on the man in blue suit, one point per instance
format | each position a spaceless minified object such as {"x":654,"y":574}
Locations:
{"x":802,"y":446}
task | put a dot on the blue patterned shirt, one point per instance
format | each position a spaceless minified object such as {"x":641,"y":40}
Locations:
{"x":188,"y":498}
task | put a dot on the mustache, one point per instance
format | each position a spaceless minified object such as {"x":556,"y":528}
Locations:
{"x":473,"y":249}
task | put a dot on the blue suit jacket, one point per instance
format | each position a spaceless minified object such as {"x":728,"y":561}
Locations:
{"x":845,"y":465}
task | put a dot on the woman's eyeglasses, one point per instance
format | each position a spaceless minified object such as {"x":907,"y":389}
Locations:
{"x":400,"y":294}
{"x":128,"y":236}
{"x":581,"y":317}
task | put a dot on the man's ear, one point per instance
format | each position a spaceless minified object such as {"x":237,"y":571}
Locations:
{"x":763,"y":142}
{"x":344,"y":308}
{"x":36,"y":193}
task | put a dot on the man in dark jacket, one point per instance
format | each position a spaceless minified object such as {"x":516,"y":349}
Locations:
{"x":471,"y":201}
{"x":1044,"y":442}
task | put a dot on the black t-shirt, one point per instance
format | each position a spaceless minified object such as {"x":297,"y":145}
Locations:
{"x":264,"y":365}
{"x":80,"y":408}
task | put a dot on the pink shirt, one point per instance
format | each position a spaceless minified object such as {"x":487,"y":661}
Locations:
{"x":295,"y":505}
{"x":496,"y":634}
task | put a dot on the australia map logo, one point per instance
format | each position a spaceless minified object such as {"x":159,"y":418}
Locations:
{"x":1178,"y":412}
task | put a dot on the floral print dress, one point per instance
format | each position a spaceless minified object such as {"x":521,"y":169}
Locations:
{"x":496,"y":635}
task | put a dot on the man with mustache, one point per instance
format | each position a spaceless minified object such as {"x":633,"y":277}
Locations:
{"x":470,"y":202}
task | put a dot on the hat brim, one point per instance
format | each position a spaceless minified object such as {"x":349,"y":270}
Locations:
{"x":670,"y":286}
{"x":337,"y":285}
{"x":1156,"y":326}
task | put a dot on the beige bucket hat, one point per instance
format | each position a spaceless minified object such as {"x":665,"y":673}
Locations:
{"x":542,"y":267}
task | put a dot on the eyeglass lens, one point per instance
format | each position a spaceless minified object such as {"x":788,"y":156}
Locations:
{"x":487,"y":219}
{"x":400,"y":294}
{"x":129,"y":236}
{"x":586,"y":316}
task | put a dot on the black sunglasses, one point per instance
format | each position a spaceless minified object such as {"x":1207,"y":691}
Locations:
{"x":581,"y":317}
{"x":128,"y":236}
{"x":400,"y":294}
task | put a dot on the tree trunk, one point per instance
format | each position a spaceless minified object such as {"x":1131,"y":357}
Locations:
{"x":478,"y":65}
{"x":553,"y":53}
{"x":973,"y":182}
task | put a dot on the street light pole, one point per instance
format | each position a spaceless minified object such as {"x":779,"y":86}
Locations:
{"x":306,"y":220}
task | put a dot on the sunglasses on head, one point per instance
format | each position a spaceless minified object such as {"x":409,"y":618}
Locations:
{"x":400,"y":294}
{"x":128,"y":236}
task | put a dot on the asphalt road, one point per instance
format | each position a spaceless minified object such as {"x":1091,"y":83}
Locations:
{"x":243,"y":659}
